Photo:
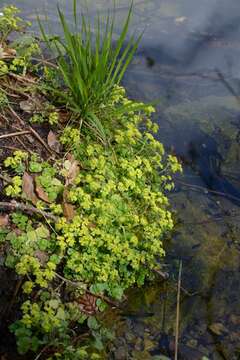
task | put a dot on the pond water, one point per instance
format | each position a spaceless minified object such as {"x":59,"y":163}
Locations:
{"x":189,"y":62}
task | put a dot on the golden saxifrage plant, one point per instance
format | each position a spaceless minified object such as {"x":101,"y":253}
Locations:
{"x":99,"y":214}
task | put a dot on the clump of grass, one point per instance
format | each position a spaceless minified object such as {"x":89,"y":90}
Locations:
{"x":89,"y":63}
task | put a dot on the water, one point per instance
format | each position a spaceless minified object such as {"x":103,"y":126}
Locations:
{"x":189,"y":62}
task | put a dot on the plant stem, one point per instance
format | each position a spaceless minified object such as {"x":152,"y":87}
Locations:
{"x":178,"y":310}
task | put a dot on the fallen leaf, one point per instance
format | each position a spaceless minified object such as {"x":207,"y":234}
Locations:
{"x":27,"y":106}
{"x":73,"y":170}
{"x":88,"y":304}
{"x":64,"y":117}
{"x":68,"y":209}
{"x":4,"y":220}
{"x":7,"y":53}
{"x":42,"y":194}
{"x":35,"y":103}
{"x":41,"y":256}
{"x":28,"y":188}
{"x":53,"y":142}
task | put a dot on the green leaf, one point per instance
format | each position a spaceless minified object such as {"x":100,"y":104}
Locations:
{"x":93,"y":323}
{"x":54,"y":304}
{"x":42,"y":232}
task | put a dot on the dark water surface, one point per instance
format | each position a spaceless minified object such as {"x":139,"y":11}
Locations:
{"x":190,"y":61}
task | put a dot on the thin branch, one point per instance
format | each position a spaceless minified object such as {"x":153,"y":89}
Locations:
{"x":22,"y":78}
{"x":24,"y":132}
{"x":178,"y":311}
{"x":14,"y":205}
{"x":207,"y":190}
{"x":81,"y":286}
{"x":6,"y":179}
{"x":34,"y":132}
{"x":47,"y":62}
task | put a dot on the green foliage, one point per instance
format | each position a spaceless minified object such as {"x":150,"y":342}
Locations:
{"x":48,"y":114}
{"x":3,"y":99}
{"x":112,"y":242}
{"x":93,"y":66}
{"x":110,"y":202}
{"x":3,"y":71}
{"x":50,"y":183}
{"x":17,"y":161}
{"x":15,"y":188}
{"x":10,"y":21}
{"x":23,"y":60}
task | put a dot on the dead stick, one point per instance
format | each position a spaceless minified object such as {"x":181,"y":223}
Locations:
{"x":178,"y":311}
{"x":34,"y":132}
{"x":14,"y":205}
{"x":14,"y":134}
{"x":4,"y":178}
{"x":22,"y":78}
{"x":76,"y":284}
{"x":198,"y":187}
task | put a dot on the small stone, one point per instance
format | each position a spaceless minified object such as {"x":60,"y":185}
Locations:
{"x":218,"y":328}
{"x":235,"y":319}
{"x":120,"y":353}
{"x":192,"y":343}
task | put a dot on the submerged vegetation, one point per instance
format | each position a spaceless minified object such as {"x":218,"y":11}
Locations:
{"x":88,"y":221}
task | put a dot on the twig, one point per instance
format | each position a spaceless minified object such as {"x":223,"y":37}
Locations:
{"x":178,"y":310}
{"x":79,"y":285}
{"x":13,"y":148}
{"x":47,"y":62}
{"x":22,"y":78}
{"x":41,"y":352}
{"x":24,"y":132}
{"x":4,"y":178}
{"x":14,"y":205}
{"x":34,"y":132}
{"x":40,"y":140}
{"x":163,"y":274}
{"x":198,"y":187}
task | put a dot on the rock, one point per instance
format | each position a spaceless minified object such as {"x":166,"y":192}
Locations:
{"x":218,"y":329}
{"x":192,"y":343}
{"x":120,"y":353}
{"x":235,"y":320}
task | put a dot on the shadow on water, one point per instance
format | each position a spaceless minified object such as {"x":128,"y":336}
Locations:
{"x":185,"y":41}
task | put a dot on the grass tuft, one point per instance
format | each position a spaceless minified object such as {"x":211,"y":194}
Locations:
{"x":89,"y":62}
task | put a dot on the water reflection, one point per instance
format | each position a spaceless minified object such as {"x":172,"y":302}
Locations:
{"x":189,"y":62}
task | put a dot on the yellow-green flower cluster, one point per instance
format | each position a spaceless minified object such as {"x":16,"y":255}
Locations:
{"x":3,"y":68}
{"x":9,"y":22}
{"x":16,"y":162}
{"x":112,"y":219}
{"x":15,"y":189}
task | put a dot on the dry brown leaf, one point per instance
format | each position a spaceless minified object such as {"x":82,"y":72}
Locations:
{"x":68,"y":211}
{"x":63,"y":117}
{"x":27,"y":106}
{"x":73,"y":170}
{"x":7,"y":53}
{"x":4,"y":220}
{"x":53,"y":142}
{"x":28,"y":188}
{"x":88,"y":304}
{"x":42,"y":256}
{"x":42,"y":194}
{"x":34,"y":104}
